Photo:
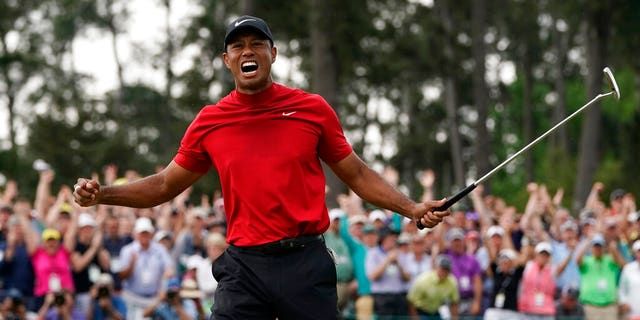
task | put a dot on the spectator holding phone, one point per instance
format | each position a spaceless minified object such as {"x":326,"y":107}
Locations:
{"x":59,"y":305}
{"x":170,"y":305}
{"x":105,"y":304}
{"x":13,"y":306}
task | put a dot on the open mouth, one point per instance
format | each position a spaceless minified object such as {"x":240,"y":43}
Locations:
{"x":249,"y":67}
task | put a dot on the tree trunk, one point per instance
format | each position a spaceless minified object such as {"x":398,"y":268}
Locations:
{"x":480,"y":97}
{"x":560,"y":139}
{"x":450,"y":95}
{"x":247,"y":7}
{"x":527,"y":113}
{"x":324,"y":77}
{"x":597,"y":35}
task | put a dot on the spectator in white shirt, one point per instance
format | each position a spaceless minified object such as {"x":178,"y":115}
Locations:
{"x":628,"y":296}
{"x":215,"y":244}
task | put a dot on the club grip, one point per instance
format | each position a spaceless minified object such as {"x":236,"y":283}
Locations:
{"x":451,"y":201}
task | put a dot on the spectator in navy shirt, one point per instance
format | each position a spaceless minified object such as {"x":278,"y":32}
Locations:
{"x":15,"y":265}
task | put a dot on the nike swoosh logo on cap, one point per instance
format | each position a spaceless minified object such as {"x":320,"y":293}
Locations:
{"x":243,"y":21}
{"x":286,"y":114}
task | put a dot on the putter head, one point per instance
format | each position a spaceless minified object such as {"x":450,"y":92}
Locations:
{"x":612,"y":82}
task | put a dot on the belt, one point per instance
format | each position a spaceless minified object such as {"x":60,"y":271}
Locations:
{"x":282,"y":246}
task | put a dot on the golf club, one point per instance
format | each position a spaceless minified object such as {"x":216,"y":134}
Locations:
{"x":614,"y":91}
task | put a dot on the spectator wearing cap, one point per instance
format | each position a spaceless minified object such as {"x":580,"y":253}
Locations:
{"x":60,"y":305}
{"x":613,"y":234}
{"x":189,"y":290}
{"x":466,"y":269}
{"x":536,"y":298}
{"x":113,"y":241}
{"x":145,"y":265}
{"x":388,"y":276}
{"x":507,"y":269}
{"x":629,"y":299}
{"x":433,"y":290}
{"x":632,"y":232}
{"x":88,"y":256}
{"x":494,"y":238}
{"x":344,"y":265}
{"x":190,"y":240}
{"x":61,"y":214}
{"x":359,"y":238}
{"x":568,"y":306}
{"x":616,"y":202}
{"x":458,"y":216}
{"x":599,"y":277}
{"x":378,"y":219}
{"x":587,"y":228}
{"x":13,"y":307}
{"x":105,"y":303}
{"x":165,"y":238}
{"x":216,"y":244}
{"x":51,"y":262}
{"x":16,"y":270}
{"x":563,"y":256}
{"x":170,"y":305}
{"x":418,"y":261}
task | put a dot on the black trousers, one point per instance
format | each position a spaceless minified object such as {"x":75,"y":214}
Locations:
{"x":292,"y":284}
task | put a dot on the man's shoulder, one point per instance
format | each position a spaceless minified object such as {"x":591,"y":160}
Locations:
{"x":634,"y":265}
{"x":297,"y":93}
{"x":131,"y":246}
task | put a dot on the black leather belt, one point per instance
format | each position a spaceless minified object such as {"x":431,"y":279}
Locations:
{"x":282,"y":246}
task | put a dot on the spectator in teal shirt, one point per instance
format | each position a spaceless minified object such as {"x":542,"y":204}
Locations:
{"x":359,"y":237}
{"x":344,"y":265}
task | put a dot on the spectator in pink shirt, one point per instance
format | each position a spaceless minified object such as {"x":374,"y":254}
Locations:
{"x":536,"y":299}
{"x":51,"y":263}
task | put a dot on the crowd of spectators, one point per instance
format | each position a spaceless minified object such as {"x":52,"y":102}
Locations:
{"x":489,"y":261}
{"x":485,"y":261}
{"x":61,"y":261}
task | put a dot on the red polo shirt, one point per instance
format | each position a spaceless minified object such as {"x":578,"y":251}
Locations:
{"x":267,"y":149}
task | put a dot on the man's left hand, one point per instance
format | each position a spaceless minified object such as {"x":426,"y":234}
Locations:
{"x":426,"y":214}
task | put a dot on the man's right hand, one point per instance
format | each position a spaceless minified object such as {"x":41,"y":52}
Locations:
{"x":86,"y":192}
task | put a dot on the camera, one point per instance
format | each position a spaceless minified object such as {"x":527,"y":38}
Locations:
{"x":171,"y":295}
{"x":58,"y":299}
{"x":103,"y":292}
{"x":16,"y":301}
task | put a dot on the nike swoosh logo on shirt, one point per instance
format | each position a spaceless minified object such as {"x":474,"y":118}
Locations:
{"x":243,"y":21}
{"x":286,"y":114}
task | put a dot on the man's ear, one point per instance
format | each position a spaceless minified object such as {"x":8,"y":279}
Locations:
{"x":274,"y":53}
{"x":225,"y":58}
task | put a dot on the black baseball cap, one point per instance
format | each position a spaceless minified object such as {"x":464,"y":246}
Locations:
{"x":247,"y":22}
{"x":443,"y":262}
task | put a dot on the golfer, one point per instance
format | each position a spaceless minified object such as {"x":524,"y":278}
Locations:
{"x":266,"y":141}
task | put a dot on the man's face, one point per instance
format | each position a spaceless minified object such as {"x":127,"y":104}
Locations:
{"x":457,"y":245}
{"x":419,"y":245}
{"x":249,"y":57}
{"x":370,"y":239}
{"x":145,"y":238}
{"x":568,"y":235}
{"x":543,"y":257}
{"x":442,"y":273}
{"x":505,"y":264}
{"x":596,"y":250}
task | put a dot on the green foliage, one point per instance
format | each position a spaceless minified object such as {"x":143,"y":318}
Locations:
{"x":390,"y":49}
